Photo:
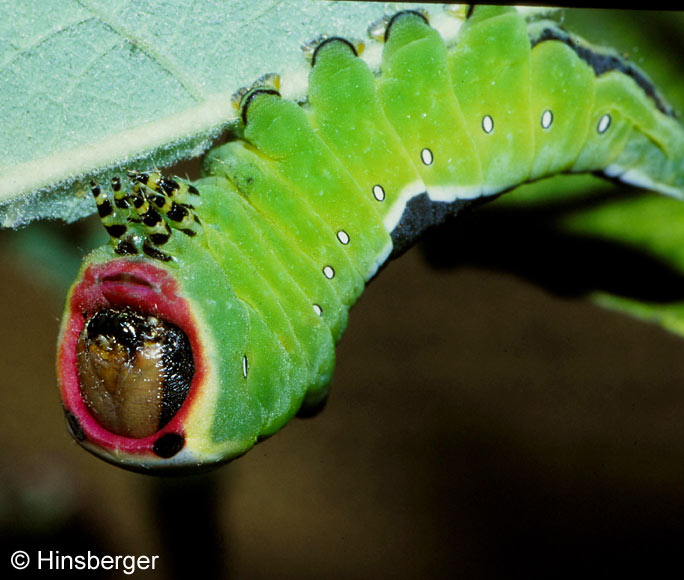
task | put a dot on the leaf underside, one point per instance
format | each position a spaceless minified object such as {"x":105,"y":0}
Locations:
{"x":94,"y":87}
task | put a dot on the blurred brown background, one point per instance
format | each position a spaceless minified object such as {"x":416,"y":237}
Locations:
{"x":478,"y":427}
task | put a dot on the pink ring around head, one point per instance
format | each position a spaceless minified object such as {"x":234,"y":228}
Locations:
{"x":147,"y":289}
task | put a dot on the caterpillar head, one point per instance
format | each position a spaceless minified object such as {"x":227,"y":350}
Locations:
{"x":138,"y":368}
{"x":129,"y":364}
{"x":134,"y":370}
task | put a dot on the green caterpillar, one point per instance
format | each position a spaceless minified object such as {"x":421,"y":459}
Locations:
{"x":212,"y":317}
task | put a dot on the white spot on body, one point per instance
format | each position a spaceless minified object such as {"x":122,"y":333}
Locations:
{"x":317,"y":309}
{"x":487,"y":124}
{"x":603,"y":124}
{"x":328,"y":272}
{"x":378,"y":192}
{"x":244,"y":366}
{"x":426,"y":156}
{"x":546,"y":119}
{"x":343,"y":237}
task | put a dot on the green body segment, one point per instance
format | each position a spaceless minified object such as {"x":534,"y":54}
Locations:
{"x":280,"y":130}
{"x":303,"y":345}
{"x":361,"y":137}
{"x":286,"y":359}
{"x":490,"y":71}
{"x":286,"y":209}
{"x":301,"y":210}
{"x":641,"y":138}
{"x":418,"y":97}
{"x":601,"y":147}
{"x":561,"y":103}
{"x":227,"y":419}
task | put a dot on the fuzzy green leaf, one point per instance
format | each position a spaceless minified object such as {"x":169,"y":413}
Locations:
{"x":90,"y":87}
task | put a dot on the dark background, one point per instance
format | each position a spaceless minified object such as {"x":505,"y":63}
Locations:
{"x":478,"y":427}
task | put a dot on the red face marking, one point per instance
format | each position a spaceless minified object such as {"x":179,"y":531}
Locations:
{"x":142,"y":287}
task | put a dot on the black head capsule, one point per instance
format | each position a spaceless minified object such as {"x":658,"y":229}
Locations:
{"x":134,"y":370}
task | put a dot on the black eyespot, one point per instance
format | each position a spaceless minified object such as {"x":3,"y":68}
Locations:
{"x":168,"y":445}
{"x":74,"y":426}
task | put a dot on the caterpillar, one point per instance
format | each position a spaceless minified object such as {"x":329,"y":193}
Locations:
{"x":211,"y":318}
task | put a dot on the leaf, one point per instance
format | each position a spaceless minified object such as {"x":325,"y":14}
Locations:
{"x":649,"y":225}
{"x":93,"y":87}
